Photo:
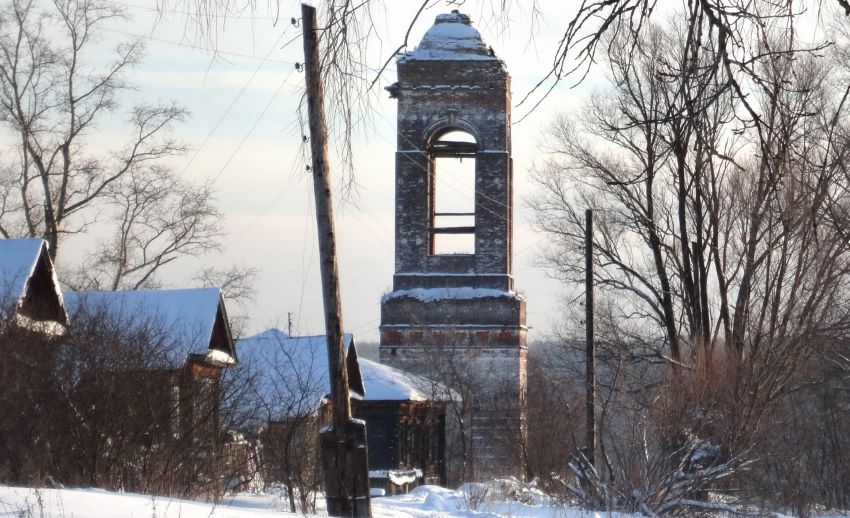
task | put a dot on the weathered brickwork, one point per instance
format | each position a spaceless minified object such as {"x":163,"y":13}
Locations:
{"x":491,"y":379}
{"x":456,"y":318}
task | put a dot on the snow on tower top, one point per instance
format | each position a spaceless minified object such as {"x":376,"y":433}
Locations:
{"x":452,"y":37}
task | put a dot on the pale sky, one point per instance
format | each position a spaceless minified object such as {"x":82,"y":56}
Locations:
{"x":244,"y":136}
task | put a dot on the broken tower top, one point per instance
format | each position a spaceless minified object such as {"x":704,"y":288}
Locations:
{"x":452,"y":37}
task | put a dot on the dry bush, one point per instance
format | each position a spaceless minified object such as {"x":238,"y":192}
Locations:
{"x":666,"y":459}
{"x":111,"y":406}
{"x":285,"y":384}
{"x":122,"y":387}
{"x":33,"y":417}
{"x":554,"y":423}
{"x":804,"y":445}
{"x":669,"y":441}
{"x":290,"y":452}
{"x":709,"y":438}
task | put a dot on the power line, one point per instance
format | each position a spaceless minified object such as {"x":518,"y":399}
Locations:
{"x":251,"y":130}
{"x":413,"y":146}
{"x":161,"y":9}
{"x":364,"y":324}
{"x":376,"y":236}
{"x":276,"y":197}
{"x":232,"y":104}
{"x":529,"y":247}
{"x":192,"y":46}
{"x":443,"y":181}
{"x":309,"y":264}
{"x":380,"y":223}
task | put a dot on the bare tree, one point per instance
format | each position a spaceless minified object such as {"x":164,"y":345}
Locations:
{"x":691,"y":212}
{"x":237,"y":287}
{"x":286,"y":379}
{"x":718,"y":250}
{"x":236,"y":283}
{"x":52,"y":99}
{"x":159,"y":218}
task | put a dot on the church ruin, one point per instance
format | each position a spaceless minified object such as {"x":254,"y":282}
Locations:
{"x":453,"y":314}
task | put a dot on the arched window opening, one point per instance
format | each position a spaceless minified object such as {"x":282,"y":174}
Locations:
{"x":453,"y":193}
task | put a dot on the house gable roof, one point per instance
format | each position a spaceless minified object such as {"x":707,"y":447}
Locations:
{"x":289,"y":375}
{"x":193,"y":322}
{"x":29,"y":289}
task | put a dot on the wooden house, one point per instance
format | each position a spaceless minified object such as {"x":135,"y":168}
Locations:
{"x":405,"y":419}
{"x":158,"y":356}
{"x":32,"y":323}
{"x":405,"y":422}
{"x":288,"y":380}
{"x":30,"y":295}
{"x":183,"y":334}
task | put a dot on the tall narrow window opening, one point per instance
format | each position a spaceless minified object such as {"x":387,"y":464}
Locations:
{"x":453,"y":194}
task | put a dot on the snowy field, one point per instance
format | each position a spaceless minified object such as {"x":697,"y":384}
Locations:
{"x":425,"y":501}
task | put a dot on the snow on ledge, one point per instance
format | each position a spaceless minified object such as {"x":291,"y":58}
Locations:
{"x":398,"y":477}
{"x":219,"y":357}
{"x":462,"y":293}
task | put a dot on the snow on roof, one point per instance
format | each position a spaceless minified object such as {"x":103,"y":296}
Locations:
{"x":385,"y":383}
{"x":18,"y":259}
{"x":452,"y":37}
{"x":288,"y":374}
{"x":432,"y":294}
{"x":29,"y":290}
{"x":185,"y":317}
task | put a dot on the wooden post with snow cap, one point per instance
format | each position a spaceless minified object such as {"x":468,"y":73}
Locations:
{"x":343,"y":444}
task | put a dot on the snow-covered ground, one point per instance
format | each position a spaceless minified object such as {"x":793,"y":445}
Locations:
{"x":425,"y":501}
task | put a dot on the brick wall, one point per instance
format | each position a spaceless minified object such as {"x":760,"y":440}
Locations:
{"x":475,"y":344}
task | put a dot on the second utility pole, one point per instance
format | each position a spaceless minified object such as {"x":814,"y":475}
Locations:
{"x":590,"y":357}
{"x":343,"y":445}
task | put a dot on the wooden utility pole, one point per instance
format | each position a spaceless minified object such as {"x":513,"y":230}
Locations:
{"x":344,"y":454}
{"x":590,"y":362}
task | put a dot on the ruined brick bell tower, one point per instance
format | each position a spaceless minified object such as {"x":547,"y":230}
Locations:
{"x":453,"y":314}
